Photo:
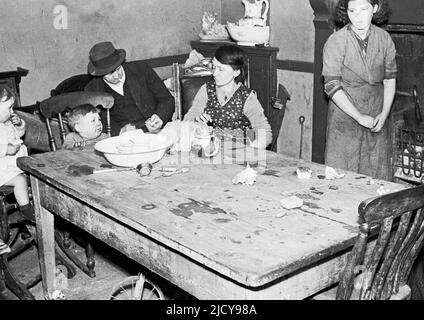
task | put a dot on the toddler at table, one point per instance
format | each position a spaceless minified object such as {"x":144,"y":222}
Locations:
{"x":12,"y":128}
{"x":84,"y":121}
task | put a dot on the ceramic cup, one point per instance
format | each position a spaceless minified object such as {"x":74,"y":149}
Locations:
{"x":209,"y":144}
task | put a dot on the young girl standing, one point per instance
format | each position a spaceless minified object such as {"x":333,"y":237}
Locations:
{"x":12,"y":128}
{"x":359,"y":69}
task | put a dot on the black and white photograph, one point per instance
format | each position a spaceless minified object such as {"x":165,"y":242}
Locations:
{"x":220,"y":156}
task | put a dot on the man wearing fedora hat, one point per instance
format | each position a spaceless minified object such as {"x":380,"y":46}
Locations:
{"x":141,"y":99}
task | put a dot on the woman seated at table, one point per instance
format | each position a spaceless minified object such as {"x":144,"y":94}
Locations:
{"x":226,"y":103}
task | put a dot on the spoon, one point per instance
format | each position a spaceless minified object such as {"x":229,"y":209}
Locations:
{"x":143,"y":169}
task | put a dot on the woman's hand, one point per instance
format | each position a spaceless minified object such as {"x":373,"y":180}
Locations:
{"x":12,"y":149}
{"x":379,"y":121}
{"x":154,"y":123}
{"x":365,"y":121}
{"x":15,"y":119}
{"x":204,"y":117}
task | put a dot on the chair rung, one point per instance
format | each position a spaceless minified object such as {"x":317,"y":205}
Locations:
{"x":11,"y":207}
{"x":19,"y":248}
{"x":36,"y":279}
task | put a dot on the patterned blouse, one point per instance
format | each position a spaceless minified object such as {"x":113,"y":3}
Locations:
{"x":240,"y":117}
{"x":230,"y":115}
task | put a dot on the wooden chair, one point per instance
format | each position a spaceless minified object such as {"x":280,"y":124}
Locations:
{"x":11,"y":232}
{"x":185,"y":88}
{"x":398,"y":218}
{"x":56,"y":106}
{"x":72,"y":84}
{"x":8,"y":278}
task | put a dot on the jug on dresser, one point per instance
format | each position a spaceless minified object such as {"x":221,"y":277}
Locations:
{"x":253,"y":12}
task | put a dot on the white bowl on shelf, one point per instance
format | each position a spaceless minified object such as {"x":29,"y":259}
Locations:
{"x":133,"y":148}
{"x":249,"y":35}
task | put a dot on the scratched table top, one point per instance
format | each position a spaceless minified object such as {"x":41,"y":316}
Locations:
{"x":240,"y":231}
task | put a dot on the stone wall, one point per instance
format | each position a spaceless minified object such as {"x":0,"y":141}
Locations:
{"x":30,"y":38}
{"x":292,"y":31}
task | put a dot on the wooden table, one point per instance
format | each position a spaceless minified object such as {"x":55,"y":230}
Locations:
{"x":209,"y":237}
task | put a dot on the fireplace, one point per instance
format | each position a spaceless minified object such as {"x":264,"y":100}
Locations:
{"x":407,"y":111}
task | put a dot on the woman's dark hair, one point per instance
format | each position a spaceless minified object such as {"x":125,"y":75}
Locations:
{"x":380,"y":18}
{"x":5,"y":93}
{"x":235,"y":57}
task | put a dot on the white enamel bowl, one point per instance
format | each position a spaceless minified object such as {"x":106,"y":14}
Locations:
{"x":129,"y":150}
{"x":249,"y":35}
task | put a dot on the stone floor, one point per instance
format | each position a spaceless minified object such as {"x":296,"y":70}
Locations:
{"x":111,"y":268}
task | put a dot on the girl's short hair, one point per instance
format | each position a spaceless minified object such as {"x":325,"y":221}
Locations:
{"x":380,"y":18}
{"x":235,"y":57}
{"x":6,"y":93}
{"x":79,"y":112}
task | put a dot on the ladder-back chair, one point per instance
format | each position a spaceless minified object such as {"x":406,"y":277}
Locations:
{"x":56,"y":107}
{"x":19,"y":238}
{"x":185,"y":88}
{"x":72,"y":84}
{"x":8,"y":279}
{"x":399,"y":219}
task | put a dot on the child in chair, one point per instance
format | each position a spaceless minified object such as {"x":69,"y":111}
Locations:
{"x":12,"y":128}
{"x":84,"y":121}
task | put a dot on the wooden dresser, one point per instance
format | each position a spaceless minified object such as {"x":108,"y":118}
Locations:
{"x":262,"y":69}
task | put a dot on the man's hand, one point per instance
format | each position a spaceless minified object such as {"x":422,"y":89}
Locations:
{"x":154,"y":123}
{"x":204,"y":117}
{"x":79,"y":144}
{"x":12,"y":149}
{"x":15,"y":119}
{"x":127,"y":127}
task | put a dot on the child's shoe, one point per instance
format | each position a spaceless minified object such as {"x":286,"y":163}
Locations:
{"x":27,"y":212}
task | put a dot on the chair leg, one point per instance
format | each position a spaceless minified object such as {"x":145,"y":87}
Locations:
{"x":60,"y":257}
{"x":27,"y":232}
{"x":13,"y":283}
{"x":3,"y":289}
{"x":33,"y":281}
{"x":89,"y":251}
{"x":66,"y":239}
{"x":61,"y":260}
{"x":7,"y":278}
{"x":68,"y":252}
{"x":17,"y":249}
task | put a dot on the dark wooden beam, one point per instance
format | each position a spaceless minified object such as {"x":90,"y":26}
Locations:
{"x":166,"y":61}
{"x":294,"y":65}
{"x":323,"y":30}
{"x":405,"y":28}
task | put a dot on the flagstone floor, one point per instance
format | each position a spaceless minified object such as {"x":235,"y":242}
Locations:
{"x":111,"y":268}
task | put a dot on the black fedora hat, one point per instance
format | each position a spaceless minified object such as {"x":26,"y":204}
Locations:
{"x":104,"y":58}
